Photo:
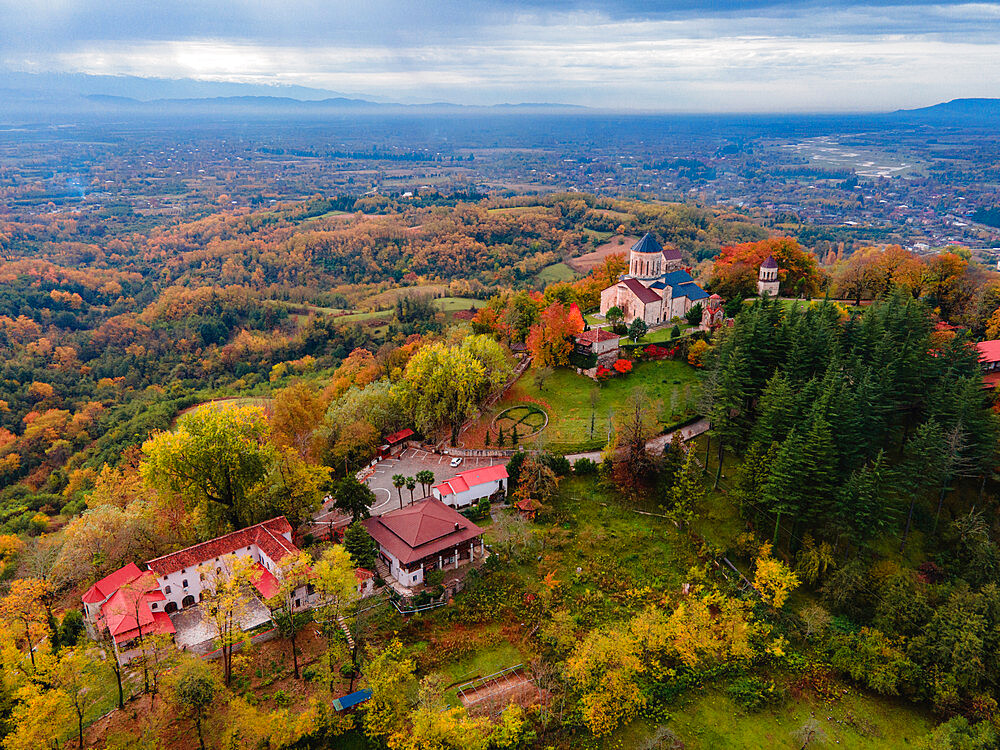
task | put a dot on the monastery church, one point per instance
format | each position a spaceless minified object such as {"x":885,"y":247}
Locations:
{"x":656,"y":289}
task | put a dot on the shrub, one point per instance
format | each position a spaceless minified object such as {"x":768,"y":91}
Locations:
{"x":348,"y":669}
{"x":754,"y":693}
{"x":282,"y":699}
{"x":584,"y":467}
{"x":309,"y":674}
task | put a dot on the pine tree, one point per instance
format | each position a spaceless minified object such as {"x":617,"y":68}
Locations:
{"x":753,"y":473}
{"x":863,"y":501}
{"x":729,"y":408}
{"x":777,"y":410}
{"x":359,"y":546}
{"x":803,"y":476}
{"x":687,"y":495}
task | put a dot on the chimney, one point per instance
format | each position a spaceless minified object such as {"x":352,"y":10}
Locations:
{"x":457,"y":526}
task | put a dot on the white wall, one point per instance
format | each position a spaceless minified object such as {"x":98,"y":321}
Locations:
{"x":470,"y":497}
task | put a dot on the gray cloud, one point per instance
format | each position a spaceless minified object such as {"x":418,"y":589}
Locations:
{"x":682,"y":55}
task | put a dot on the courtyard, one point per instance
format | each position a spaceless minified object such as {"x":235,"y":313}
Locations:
{"x":408,"y":463}
{"x":197,"y":633}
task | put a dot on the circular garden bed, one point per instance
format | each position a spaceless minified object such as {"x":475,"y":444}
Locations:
{"x":527,"y":419}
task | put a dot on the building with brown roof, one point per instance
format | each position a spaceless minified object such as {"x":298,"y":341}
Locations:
{"x":599,"y":342}
{"x":423,"y":537}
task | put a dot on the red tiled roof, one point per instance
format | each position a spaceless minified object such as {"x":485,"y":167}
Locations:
{"x":595,"y":335}
{"x":111,"y":583}
{"x":645,"y":295}
{"x":266,"y":535}
{"x":161,"y":623}
{"x":131,"y":601}
{"x":472,"y":478}
{"x":361,"y":574}
{"x":989,"y":351}
{"x":398,"y":436}
{"x":264,"y":581}
{"x":422,"y":529}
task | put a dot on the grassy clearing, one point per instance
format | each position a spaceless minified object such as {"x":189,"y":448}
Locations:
{"x":557,"y":272}
{"x":483,"y":662}
{"x":566,"y":397}
{"x":714,"y":721}
{"x":451,"y":304}
{"x":615,"y":548}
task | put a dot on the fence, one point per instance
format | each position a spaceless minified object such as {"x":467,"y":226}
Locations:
{"x":488,"y":403}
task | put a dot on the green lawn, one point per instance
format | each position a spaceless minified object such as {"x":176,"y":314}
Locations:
{"x":656,"y":336}
{"x":362,"y":316}
{"x":566,"y":397}
{"x":555,"y":273}
{"x":451,"y":304}
{"x":616,"y":549}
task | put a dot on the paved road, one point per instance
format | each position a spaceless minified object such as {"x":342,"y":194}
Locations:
{"x":657,"y":444}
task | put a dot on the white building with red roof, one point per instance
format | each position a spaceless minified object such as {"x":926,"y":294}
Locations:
{"x":126,"y":604}
{"x":469,"y":487}
{"x":181,"y":575}
{"x":131,"y":603}
{"x":423,"y":537}
{"x":989,"y":358}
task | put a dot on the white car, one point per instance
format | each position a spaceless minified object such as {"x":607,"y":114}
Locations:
{"x":456,"y":462}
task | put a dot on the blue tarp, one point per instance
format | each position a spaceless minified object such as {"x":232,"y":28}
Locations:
{"x":352,"y":699}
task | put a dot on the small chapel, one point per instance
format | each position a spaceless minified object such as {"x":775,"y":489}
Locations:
{"x":656,"y":288}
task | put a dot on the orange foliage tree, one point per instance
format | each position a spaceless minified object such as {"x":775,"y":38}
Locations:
{"x":735,"y":271}
{"x":550,"y":340}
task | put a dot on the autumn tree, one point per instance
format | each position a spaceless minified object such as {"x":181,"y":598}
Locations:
{"x":773,"y":580}
{"x":78,"y":675}
{"x":225,"y":598}
{"x":24,"y":608}
{"x":294,"y":573}
{"x":444,"y":384}
{"x":194,"y":689}
{"x":297,"y":413}
{"x":550,"y":340}
{"x":798,"y":272}
{"x":335,"y":579}
{"x":635,"y":425}
{"x":389,"y":674}
{"x":215,"y":461}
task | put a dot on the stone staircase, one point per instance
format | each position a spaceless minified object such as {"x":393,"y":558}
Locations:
{"x":347,"y":631}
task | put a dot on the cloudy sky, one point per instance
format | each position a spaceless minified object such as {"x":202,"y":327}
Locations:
{"x":687,"y":55}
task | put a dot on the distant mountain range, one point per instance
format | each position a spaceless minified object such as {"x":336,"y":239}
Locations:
{"x":30,"y":96}
{"x":956,"y":109}
{"x":34,"y":97}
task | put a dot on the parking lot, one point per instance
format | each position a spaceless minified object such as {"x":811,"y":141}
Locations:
{"x":408,"y":463}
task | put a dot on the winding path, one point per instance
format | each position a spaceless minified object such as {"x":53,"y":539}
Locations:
{"x":657,"y":444}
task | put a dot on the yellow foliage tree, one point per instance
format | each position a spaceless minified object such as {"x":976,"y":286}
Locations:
{"x":773,"y":579}
{"x":389,"y":675}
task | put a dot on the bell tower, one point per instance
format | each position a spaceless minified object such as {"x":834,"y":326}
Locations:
{"x":767,"y":278}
